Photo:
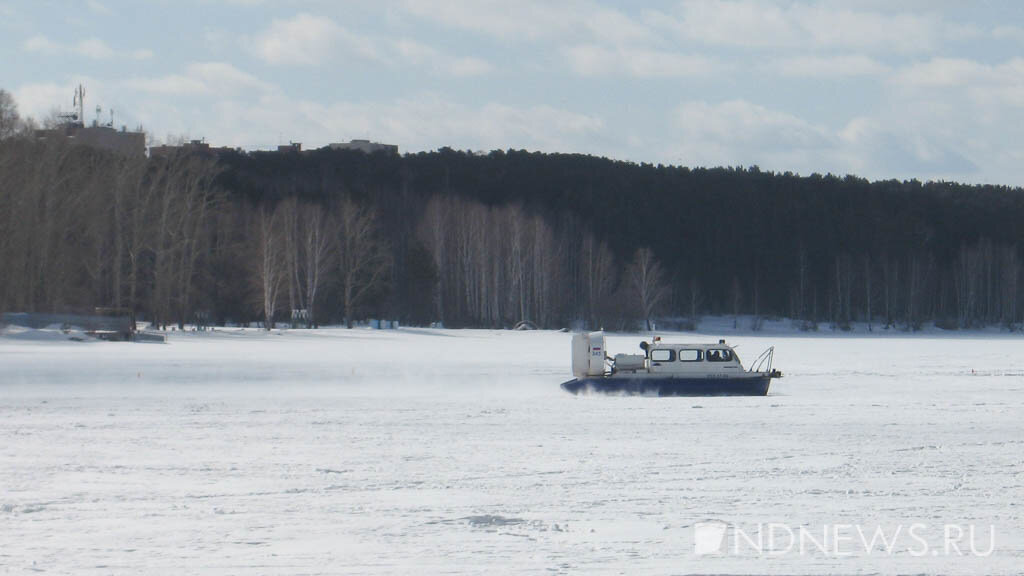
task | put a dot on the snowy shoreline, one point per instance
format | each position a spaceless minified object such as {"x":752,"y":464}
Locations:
{"x":707,"y":327}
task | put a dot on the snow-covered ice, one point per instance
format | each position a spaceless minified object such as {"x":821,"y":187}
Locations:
{"x":454,"y":451}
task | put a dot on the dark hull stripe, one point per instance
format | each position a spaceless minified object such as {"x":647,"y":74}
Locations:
{"x":670,"y":386}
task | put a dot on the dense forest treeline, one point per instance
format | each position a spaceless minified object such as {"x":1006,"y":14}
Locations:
{"x":491,"y":240}
{"x":611,"y":243}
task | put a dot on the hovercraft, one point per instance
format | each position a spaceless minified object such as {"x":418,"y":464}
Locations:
{"x":667,"y":369}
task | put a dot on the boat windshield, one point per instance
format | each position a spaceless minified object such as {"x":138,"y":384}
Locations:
{"x":720,"y":355}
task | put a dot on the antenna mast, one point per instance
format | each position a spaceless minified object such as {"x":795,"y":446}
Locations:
{"x":79,"y":102}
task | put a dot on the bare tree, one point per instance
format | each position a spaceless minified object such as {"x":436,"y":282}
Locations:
{"x":517,"y":268}
{"x":307,"y":250}
{"x":648,"y":282}
{"x":737,"y":300}
{"x":42,"y":239}
{"x":598,"y":271}
{"x":183,"y":199}
{"x":965,"y":277}
{"x":696,"y":300}
{"x":269,"y":272}
{"x":1010,"y":267}
{"x":288,"y":210}
{"x":199,"y":198}
{"x":804,"y":266}
{"x":10,"y":122}
{"x":546,"y":270}
{"x":317,"y":253}
{"x":433,"y":232}
{"x":890,"y":288}
{"x":843,"y":282}
{"x":139,"y":196}
{"x":867,"y":289}
{"x":363,"y":256}
{"x":496,"y":264}
{"x":915,"y":281}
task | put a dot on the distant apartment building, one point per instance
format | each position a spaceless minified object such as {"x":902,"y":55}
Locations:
{"x":104,"y":137}
{"x":166,"y":150}
{"x":190,"y":147}
{"x":365,"y":146}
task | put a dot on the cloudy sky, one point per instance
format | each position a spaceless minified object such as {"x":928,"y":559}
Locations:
{"x":926,"y":89}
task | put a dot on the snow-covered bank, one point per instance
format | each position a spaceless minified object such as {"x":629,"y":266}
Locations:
{"x":455,"y":451}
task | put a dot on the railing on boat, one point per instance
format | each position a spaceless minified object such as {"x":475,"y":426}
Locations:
{"x":763,"y":361}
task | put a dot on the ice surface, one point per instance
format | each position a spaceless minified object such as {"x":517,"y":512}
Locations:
{"x":432,"y":451}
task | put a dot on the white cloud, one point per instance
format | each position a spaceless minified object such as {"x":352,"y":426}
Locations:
{"x":885,"y":32}
{"x":962,"y":72}
{"x":830,"y":66}
{"x":593,"y":40}
{"x":203,"y":79}
{"x":418,"y":54}
{"x":599,"y":41}
{"x":14,"y":19}
{"x":98,"y":7}
{"x":596,"y":60}
{"x":761,"y":24}
{"x":859,"y":130}
{"x":93,"y":48}
{"x":542,"y":126}
{"x":989,"y":88}
{"x":906,"y":140}
{"x":949,"y":117}
{"x":1015,"y":33}
{"x":312,"y":40}
{"x":747,"y":124}
{"x":507,"y":21}
{"x":468,"y":67}
{"x":308,"y":40}
{"x":906,"y":147}
{"x":943,"y":72}
{"x":738,"y":132}
{"x":729,"y":23}
{"x":37,"y":100}
{"x":172,"y":84}
{"x":42,"y":44}
{"x":612,"y":26}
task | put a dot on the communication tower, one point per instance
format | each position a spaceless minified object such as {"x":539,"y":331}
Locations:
{"x":79,"y":103}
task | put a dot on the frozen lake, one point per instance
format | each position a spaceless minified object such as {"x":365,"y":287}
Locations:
{"x":419,"y":451}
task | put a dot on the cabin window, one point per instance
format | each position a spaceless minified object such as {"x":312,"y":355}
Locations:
{"x":690,"y":356}
{"x":662,"y":355}
{"x":719,"y":355}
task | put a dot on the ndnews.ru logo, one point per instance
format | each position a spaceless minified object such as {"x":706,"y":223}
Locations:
{"x":776,"y":539}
